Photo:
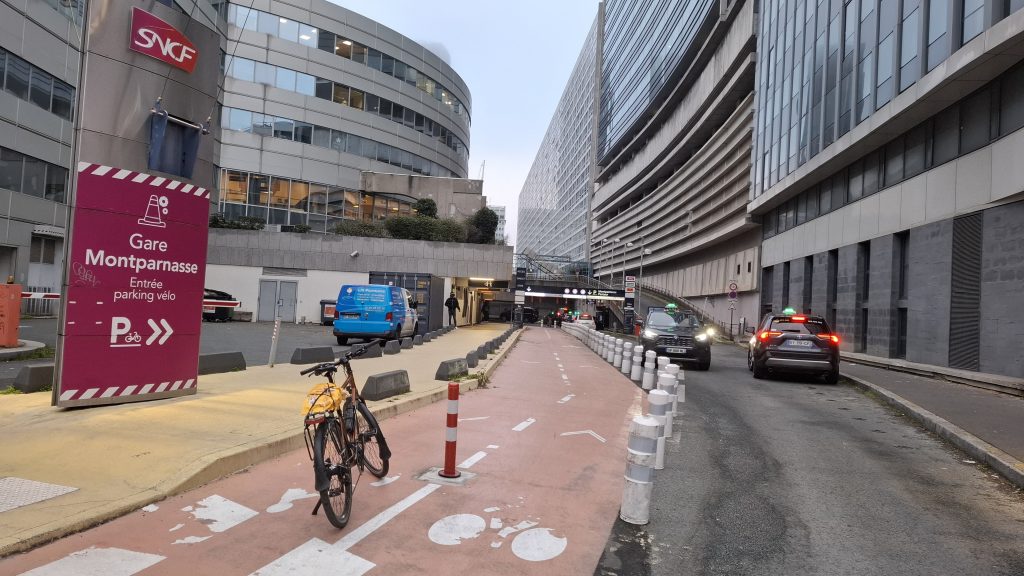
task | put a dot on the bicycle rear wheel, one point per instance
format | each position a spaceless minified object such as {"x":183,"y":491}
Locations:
{"x":329,"y":459}
{"x":370,"y":435}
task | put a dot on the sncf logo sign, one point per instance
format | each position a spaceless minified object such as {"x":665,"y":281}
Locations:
{"x":158,"y":39}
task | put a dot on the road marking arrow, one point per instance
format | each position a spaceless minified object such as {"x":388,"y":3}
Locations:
{"x":591,"y":432}
{"x":566,"y":399}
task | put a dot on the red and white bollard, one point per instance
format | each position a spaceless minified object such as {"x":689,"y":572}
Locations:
{"x":451,"y":433}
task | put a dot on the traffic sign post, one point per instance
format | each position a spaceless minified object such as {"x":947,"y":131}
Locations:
{"x":136,"y":269}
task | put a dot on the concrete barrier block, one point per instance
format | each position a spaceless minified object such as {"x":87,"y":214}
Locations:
{"x":483,"y":351}
{"x":417,"y":340}
{"x":392,"y":347}
{"x":386,"y":385}
{"x":373,"y":351}
{"x":407,"y":344}
{"x":220,"y":362}
{"x":313,"y":355}
{"x":428,"y":337}
{"x":472,"y":359}
{"x":34,"y":378}
{"x":451,"y":369}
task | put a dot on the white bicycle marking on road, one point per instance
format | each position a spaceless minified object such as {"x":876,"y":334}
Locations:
{"x":290,"y":495}
{"x":385,"y":480}
{"x":98,"y":562}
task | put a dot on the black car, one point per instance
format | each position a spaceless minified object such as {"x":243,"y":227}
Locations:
{"x":529,"y":315}
{"x":794,"y":343}
{"x":676,"y":334}
{"x":216,"y":313}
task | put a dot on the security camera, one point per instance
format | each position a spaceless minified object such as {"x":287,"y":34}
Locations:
{"x":354,"y":253}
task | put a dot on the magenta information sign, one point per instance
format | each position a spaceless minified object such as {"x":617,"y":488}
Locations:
{"x":135,"y":288}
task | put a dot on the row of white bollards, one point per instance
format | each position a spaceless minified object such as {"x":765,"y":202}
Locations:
{"x":665,"y":384}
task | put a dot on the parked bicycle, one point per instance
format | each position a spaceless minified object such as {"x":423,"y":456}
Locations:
{"x":341,"y":434}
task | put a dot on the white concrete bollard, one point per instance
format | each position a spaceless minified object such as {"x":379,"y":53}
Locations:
{"x":640,"y":457}
{"x":681,"y":386}
{"x":667,"y":384}
{"x":662,"y":362}
{"x":609,"y":351}
{"x":627,"y":357}
{"x":673,"y":370}
{"x":636,"y":371}
{"x":617,"y":354}
{"x":658,"y":402}
{"x":650,"y":358}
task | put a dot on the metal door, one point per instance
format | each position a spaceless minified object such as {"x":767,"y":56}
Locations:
{"x":268,"y":300}
{"x":286,"y":296}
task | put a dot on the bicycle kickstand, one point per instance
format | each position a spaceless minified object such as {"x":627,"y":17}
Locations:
{"x":316,"y":508}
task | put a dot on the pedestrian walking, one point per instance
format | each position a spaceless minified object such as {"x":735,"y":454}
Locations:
{"x":452,"y":303}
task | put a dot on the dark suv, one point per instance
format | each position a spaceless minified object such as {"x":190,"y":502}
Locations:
{"x":676,"y":334}
{"x":796,"y":343}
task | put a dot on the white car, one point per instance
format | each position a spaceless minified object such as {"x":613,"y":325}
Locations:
{"x":586,"y":320}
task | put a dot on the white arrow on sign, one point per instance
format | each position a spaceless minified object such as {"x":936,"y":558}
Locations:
{"x":166,"y":331}
{"x":591,"y":432}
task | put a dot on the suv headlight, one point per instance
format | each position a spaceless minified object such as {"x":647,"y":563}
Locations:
{"x":711,"y":332}
{"x":702,"y":337}
{"x":649,"y":334}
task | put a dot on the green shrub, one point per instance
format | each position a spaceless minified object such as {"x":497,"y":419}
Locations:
{"x":242,"y":223}
{"x":425,"y":207}
{"x":411,"y":227}
{"x":360,"y":228}
{"x":449,"y":230}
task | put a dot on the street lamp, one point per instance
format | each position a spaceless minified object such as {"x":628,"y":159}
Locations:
{"x":640,"y":275}
{"x":624,"y":248}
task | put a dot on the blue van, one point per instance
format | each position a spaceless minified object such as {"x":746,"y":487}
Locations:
{"x":374,"y":311}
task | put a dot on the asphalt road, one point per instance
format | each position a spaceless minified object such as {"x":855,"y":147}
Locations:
{"x":802,"y":478}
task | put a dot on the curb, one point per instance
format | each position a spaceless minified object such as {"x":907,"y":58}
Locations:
{"x":1006,"y":465}
{"x":229,"y":461}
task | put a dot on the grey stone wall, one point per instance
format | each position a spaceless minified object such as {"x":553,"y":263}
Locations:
{"x":796,"y":285}
{"x":1002,"y":290}
{"x":820,"y":286}
{"x":848,"y":317}
{"x":928,"y":293}
{"x":881,"y":299}
{"x":332,"y":252}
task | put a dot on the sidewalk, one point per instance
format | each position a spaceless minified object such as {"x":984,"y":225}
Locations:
{"x":120,"y":458}
{"x":987,"y":425}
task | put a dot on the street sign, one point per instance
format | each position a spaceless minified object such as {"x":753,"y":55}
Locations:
{"x":630,"y":284}
{"x":630,"y":290}
{"x":733,"y":286}
{"x":520,"y":278}
{"x":630,"y":278}
{"x":137,"y":265}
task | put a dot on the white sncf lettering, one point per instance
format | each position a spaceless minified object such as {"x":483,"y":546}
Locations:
{"x":176,"y":50}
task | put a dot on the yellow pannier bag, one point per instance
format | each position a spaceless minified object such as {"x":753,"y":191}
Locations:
{"x":322,"y":398}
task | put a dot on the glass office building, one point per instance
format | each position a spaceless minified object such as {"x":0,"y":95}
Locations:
{"x":554,"y":200}
{"x":314,"y":95}
{"x":886,"y":173}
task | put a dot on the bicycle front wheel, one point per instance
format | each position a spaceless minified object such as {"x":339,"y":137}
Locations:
{"x":329,"y":459}
{"x":369,"y":435}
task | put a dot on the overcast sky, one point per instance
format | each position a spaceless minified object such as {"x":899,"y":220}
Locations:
{"x":515,"y":57}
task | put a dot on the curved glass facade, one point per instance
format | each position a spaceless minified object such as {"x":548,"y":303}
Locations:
{"x":643,"y":46}
{"x":309,"y":85}
{"x":299,"y":131}
{"x":307,"y":35}
{"x":293,"y":202}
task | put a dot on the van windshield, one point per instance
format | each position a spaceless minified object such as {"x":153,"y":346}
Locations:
{"x":364,"y":297}
{"x":666,"y":321}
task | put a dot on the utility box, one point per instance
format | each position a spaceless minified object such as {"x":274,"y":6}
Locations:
{"x":327,"y":311}
{"x":10,"y":314}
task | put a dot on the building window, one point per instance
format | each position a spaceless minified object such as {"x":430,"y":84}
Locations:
{"x":1011,"y":101}
{"x":974,"y":19}
{"x":43,"y":250}
{"x":910,"y":64}
{"x":938,"y":32}
{"x":975,"y":118}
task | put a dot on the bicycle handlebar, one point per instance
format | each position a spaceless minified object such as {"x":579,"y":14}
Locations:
{"x":343,"y":359}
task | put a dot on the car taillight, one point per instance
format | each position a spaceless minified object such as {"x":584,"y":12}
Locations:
{"x":337,"y":315}
{"x":388,"y":316}
{"x":798,"y":319}
{"x":765,"y":335}
{"x":832,"y":337}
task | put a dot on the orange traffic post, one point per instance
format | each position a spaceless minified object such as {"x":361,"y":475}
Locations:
{"x":451,"y":433}
{"x":10,"y":314}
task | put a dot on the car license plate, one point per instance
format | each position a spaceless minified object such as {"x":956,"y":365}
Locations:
{"x":677,"y":350}
{"x":350,"y":315}
{"x":799,"y":343}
